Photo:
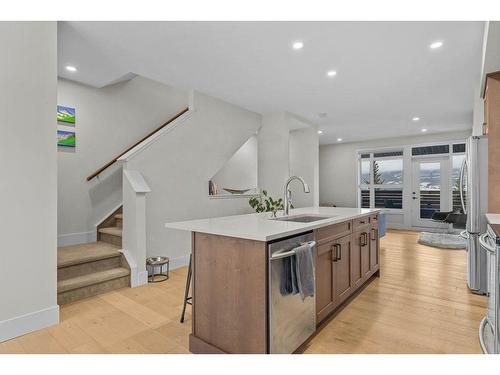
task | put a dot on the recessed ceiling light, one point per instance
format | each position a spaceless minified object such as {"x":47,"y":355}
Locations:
{"x":436,"y":44}
{"x":339,"y":139}
{"x":423,"y":130}
{"x":297,"y":45}
{"x":331,"y":73}
{"x":70,"y":68}
{"x":320,"y":131}
{"x":415,"y":119}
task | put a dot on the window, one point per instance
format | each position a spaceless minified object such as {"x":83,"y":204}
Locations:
{"x":365,"y":172}
{"x":365,"y":198}
{"x":430,"y":150}
{"x":381,"y":180}
{"x":389,"y":198}
{"x":459,"y":147}
{"x":388,"y":172}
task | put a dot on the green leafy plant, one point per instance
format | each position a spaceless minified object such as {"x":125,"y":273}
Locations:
{"x":265,"y":203}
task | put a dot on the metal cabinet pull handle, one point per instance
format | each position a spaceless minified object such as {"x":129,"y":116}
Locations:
{"x":333,"y":249}
{"x":374,"y":237}
{"x":340,"y":251}
{"x":364,"y":239}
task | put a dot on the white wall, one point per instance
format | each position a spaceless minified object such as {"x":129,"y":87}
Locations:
{"x":273,"y":139}
{"x":28,"y":215}
{"x":288,"y":146}
{"x":304,"y":162}
{"x":240,"y":171}
{"x":108,"y":121}
{"x":177,"y":168}
{"x":338,"y":168}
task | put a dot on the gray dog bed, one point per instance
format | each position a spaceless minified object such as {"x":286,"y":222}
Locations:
{"x":442,"y":240}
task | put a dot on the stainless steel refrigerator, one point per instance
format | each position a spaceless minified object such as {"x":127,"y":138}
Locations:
{"x":474,"y":195}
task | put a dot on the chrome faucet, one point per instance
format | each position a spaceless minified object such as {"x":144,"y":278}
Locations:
{"x":288,"y":193}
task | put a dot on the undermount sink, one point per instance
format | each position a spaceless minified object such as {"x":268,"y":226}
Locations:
{"x":303,"y":218}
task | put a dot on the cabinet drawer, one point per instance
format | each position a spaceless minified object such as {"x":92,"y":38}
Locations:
{"x":361,"y":222}
{"x":334,"y":231}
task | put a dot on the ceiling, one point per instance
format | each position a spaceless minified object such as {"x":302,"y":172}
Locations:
{"x":386,"y":72}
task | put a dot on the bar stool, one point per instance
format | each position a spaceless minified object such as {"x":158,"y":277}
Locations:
{"x":187,"y":299}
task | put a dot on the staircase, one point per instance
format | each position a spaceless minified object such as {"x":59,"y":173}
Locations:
{"x":90,"y":269}
{"x":111,"y":229}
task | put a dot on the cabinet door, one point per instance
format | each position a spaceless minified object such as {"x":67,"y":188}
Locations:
{"x":365,"y":254}
{"x":356,"y":273}
{"x":325,"y":294}
{"x":374,"y":250}
{"x":342,"y":269}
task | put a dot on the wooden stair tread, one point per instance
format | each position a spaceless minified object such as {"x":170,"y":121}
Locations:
{"x":114,"y":231}
{"x":85,"y":253}
{"x":91,"y":279}
{"x":119,"y":216}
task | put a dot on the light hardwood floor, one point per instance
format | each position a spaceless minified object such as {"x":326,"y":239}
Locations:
{"x":420,"y":304}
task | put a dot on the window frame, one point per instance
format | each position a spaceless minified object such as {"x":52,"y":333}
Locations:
{"x":371,"y":186}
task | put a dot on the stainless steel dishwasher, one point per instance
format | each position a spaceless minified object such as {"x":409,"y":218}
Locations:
{"x":291,"y":320}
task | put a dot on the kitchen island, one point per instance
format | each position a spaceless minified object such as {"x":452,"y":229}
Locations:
{"x":232,"y":306}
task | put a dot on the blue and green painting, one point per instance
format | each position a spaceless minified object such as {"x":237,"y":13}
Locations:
{"x":66,"y":138}
{"x":65,"y":114}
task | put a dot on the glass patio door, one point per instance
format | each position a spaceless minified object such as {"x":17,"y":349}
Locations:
{"x":430,"y":190}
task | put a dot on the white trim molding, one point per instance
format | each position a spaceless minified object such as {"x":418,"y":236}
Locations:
{"x":135,"y":189}
{"x":21,"y":325}
{"x":76,"y":238}
{"x":178,"y":262}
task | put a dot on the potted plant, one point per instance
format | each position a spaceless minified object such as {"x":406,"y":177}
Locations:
{"x":265,"y":203}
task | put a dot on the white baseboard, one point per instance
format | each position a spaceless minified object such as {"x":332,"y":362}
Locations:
{"x":422,"y":229}
{"x":179,"y":262}
{"x":27,"y":323}
{"x":142,"y":278}
{"x":137,"y":278}
{"x":76,"y":238}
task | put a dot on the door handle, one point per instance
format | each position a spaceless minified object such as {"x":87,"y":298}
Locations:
{"x":374,"y":237}
{"x":462,"y":170}
{"x":339,"y":248}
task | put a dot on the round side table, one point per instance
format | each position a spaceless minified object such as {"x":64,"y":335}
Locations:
{"x":155,"y":263}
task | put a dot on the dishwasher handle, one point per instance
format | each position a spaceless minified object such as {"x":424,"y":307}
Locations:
{"x":286,"y":254}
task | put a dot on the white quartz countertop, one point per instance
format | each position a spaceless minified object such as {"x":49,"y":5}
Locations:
{"x":493,"y":218}
{"x":259,"y":226}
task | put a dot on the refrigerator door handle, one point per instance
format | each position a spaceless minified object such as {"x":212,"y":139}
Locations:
{"x":483,"y":240}
{"x":462,"y":170}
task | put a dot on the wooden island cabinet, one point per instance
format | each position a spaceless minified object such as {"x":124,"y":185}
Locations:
{"x":347,"y":255}
{"x":231,"y":272}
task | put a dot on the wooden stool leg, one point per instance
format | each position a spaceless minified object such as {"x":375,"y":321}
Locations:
{"x":186,"y":292}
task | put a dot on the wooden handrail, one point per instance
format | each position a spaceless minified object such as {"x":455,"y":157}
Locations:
{"x":110,"y":163}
